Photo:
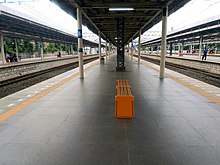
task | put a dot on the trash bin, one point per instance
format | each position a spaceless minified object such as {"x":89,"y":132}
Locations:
{"x":102,"y":60}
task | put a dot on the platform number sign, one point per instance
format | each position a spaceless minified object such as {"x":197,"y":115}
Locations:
{"x":79,"y":33}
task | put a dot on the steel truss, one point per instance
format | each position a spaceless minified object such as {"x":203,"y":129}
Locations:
{"x":120,"y":44}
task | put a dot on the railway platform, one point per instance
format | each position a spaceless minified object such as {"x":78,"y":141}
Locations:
{"x":66,"y":120}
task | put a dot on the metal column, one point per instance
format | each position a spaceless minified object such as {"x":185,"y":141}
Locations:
{"x":109,"y":51}
{"x":106,"y":49}
{"x":120,"y":44}
{"x":41,"y":50}
{"x":128,"y":48}
{"x":200,"y":47}
{"x":80,"y":42}
{"x":60,"y":49}
{"x":152,"y":49}
{"x":179,"y":48}
{"x":182,"y":45}
{"x":132,"y":49}
{"x":163,"y":42}
{"x":158,"y":48}
{"x":139,"y":47}
{"x":191,"y":48}
{"x":171,"y":49}
{"x":100,"y":53}
{"x":71,"y":49}
{"x":2,"y":47}
{"x":16,"y":47}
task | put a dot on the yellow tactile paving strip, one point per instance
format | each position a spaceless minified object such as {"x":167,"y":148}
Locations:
{"x":30,"y":101}
{"x":192,"y":87}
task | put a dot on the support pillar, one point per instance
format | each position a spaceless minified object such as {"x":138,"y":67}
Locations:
{"x":200,"y":47}
{"x":128,"y":48}
{"x":90,"y":50}
{"x":60,"y":49}
{"x":41,"y":50}
{"x":182,"y":46}
{"x":158,"y":48}
{"x":120,"y":44}
{"x":132,"y":49}
{"x":171,"y":49}
{"x":80,"y":43}
{"x":71,"y":49}
{"x":179,"y":48}
{"x":109,"y":49}
{"x":152,"y":49}
{"x":16,"y":48}
{"x":106,"y":49}
{"x":139,"y":47}
{"x":163,"y":42}
{"x":191,"y":48}
{"x":2,"y":48}
{"x":100,"y":49}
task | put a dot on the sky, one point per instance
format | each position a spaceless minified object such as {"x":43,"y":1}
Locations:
{"x":193,"y":13}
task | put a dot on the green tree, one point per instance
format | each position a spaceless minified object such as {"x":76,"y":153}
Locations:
{"x":51,"y":47}
{"x":75,"y":47}
{"x":25,"y":46}
{"x":9,"y":45}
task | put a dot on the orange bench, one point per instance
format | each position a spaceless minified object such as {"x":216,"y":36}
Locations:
{"x":122,"y":83}
{"x":124,"y":101}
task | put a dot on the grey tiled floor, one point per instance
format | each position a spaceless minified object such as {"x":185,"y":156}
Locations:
{"x":75,"y":124}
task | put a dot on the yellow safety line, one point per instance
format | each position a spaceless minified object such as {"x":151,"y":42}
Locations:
{"x":196,"y":89}
{"x":30,"y":101}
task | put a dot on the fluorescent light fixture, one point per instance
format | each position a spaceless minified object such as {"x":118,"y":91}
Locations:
{"x":120,"y":9}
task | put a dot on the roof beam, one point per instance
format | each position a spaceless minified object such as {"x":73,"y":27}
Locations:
{"x":127,"y":21}
{"x":115,"y":30}
{"x":136,"y":5}
{"x":115,"y":23}
{"x":146,"y":23}
{"x":76,"y":5}
{"x":126,"y":15}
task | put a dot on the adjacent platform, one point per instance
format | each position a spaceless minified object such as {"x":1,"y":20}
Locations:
{"x":71,"y":121}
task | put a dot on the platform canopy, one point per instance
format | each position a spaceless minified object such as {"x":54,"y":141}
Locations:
{"x":209,"y":31}
{"x":100,"y":15}
{"x":14,"y":24}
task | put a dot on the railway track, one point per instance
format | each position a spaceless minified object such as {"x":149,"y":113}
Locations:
{"x":13,"y":85}
{"x":205,"y":76}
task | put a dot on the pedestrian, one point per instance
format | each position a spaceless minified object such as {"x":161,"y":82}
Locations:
{"x":7,"y":57}
{"x":59,"y":54}
{"x":15,"y":58}
{"x":204,"y":54}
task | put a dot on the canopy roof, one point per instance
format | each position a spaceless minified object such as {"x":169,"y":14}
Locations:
{"x":209,"y":31}
{"x":96,"y":15}
{"x":15,"y":26}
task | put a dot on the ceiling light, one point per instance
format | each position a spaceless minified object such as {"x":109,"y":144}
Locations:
{"x":120,"y":9}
